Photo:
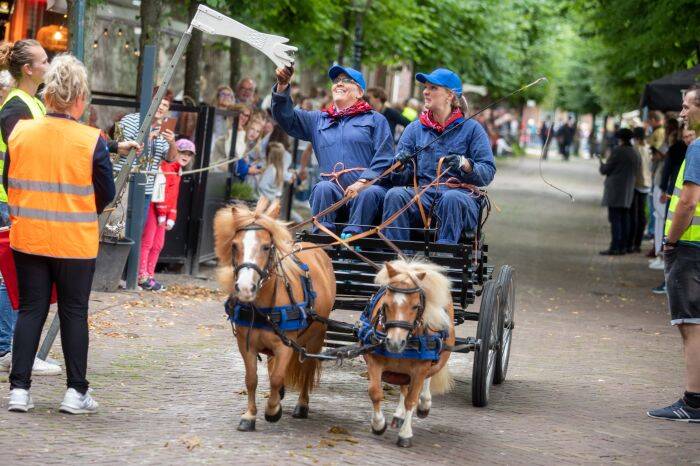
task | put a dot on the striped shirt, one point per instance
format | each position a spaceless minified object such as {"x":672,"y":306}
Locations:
{"x":158,"y":150}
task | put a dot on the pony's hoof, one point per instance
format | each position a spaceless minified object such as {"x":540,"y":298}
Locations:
{"x":282,"y":392}
{"x":404,"y":442}
{"x":423,"y":413}
{"x":274,"y":417}
{"x":379,"y":431}
{"x":246,"y":425}
{"x":396,"y":422}
{"x":300,"y":412}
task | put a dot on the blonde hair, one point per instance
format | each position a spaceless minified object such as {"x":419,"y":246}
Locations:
{"x":65,"y":82}
{"x":13,"y":56}
{"x":275,"y":157}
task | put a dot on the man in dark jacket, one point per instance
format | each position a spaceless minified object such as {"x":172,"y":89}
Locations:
{"x":620,"y":171}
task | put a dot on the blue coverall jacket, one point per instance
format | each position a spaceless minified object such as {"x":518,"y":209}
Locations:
{"x":359,"y":141}
{"x":456,"y":209}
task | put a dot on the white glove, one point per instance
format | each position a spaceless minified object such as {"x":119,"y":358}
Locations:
{"x":169,"y":224}
{"x":161,"y":220}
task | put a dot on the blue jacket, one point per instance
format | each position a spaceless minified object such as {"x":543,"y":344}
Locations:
{"x":469,"y":140}
{"x":360,"y":141}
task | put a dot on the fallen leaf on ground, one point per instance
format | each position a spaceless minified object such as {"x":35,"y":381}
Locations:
{"x":338,"y":430}
{"x":191,"y":442}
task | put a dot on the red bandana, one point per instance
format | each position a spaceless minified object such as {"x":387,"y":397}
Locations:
{"x":357,"y":108}
{"x":427,"y":119}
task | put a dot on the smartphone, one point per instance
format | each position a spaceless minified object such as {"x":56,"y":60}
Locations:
{"x":168,"y":123}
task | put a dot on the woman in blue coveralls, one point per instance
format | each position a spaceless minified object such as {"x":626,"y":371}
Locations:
{"x":348,"y":135}
{"x":468,"y":159}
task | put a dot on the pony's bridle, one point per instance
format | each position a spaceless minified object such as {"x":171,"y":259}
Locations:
{"x":264,"y":274}
{"x":404,"y":324}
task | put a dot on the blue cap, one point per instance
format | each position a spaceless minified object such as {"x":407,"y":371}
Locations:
{"x":353,"y":73}
{"x":442,"y":77}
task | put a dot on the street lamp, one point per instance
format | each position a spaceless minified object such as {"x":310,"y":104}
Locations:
{"x":360,"y":7}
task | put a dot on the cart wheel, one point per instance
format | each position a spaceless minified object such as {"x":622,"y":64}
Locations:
{"x":506,"y":282}
{"x":487,"y":334}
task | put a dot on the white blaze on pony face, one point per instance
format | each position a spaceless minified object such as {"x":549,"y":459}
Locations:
{"x":400,"y":307}
{"x":247,"y":278}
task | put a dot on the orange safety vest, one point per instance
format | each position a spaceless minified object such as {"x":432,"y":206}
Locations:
{"x":50,"y":192}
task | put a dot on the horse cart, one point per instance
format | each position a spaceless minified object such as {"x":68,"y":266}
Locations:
{"x":466,"y":265}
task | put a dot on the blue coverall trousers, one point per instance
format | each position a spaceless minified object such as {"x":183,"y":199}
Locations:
{"x":455,"y":209}
{"x":363,"y":210}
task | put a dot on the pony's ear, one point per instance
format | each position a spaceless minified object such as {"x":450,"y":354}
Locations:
{"x":420,"y":276}
{"x":274,"y":210}
{"x":262,"y":205}
{"x":390,"y":271}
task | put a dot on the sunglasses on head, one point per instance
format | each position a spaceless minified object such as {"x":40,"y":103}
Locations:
{"x":339,"y":80}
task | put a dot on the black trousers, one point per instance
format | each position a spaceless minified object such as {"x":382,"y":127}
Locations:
{"x":638,"y":220}
{"x":73,"y":279}
{"x":619,"y":218}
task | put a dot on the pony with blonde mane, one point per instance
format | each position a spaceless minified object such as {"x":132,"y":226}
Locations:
{"x":417,"y":301}
{"x":258,"y":264}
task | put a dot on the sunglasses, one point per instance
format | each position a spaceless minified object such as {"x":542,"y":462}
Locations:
{"x":339,"y":80}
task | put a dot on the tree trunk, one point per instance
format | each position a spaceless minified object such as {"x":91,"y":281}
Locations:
{"x":343,"y":44}
{"x":235,"y":58}
{"x":150,"y":33}
{"x":592,"y":141}
{"x":192,"y":58}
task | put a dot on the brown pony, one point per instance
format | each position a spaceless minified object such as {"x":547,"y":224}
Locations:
{"x":254,"y":251}
{"x":417,"y":301}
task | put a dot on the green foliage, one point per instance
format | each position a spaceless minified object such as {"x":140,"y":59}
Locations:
{"x":632,"y":42}
{"x":598,"y":54}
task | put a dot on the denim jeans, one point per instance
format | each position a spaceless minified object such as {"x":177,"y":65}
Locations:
{"x":4,"y":214}
{"x":8,"y":319}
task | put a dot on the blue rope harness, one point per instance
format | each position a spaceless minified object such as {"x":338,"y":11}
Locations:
{"x":290,"y":317}
{"x":425,"y":347}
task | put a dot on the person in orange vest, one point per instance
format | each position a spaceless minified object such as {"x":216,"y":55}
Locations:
{"x":26,"y":61}
{"x":58,"y":176}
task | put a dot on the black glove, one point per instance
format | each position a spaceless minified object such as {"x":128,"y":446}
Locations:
{"x":452,"y":162}
{"x":403,"y":157}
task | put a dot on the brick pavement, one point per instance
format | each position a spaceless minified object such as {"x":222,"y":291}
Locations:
{"x":592,"y":351}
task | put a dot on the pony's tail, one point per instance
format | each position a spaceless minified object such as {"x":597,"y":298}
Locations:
{"x":442,"y":381}
{"x":306,"y":374}
{"x":303,"y":374}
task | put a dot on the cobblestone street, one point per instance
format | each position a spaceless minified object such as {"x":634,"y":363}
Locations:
{"x":593,"y":350}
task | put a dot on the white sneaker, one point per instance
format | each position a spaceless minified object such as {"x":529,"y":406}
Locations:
{"x":657,"y":264}
{"x":6,"y":362}
{"x":45,"y":368}
{"x":75,"y":403}
{"x":20,"y":401}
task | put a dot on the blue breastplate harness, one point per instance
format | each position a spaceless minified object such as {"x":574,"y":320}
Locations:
{"x":290,"y":317}
{"x":425,"y":347}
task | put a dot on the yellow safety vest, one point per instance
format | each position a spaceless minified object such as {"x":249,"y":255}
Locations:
{"x":37,"y":109}
{"x":51,"y":196}
{"x":692,"y":233}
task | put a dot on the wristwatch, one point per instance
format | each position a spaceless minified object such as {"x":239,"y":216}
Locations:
{"x":363,"y":180}
{"x":666,"y":242}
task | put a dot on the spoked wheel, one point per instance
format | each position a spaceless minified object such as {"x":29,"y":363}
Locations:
{"x":487,"y":334}
{"x":506,"y":282}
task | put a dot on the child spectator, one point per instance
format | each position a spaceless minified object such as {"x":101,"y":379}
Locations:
{"x":251,"y":164}
{"x":272,"y":177}
{"x":161,"y":214}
